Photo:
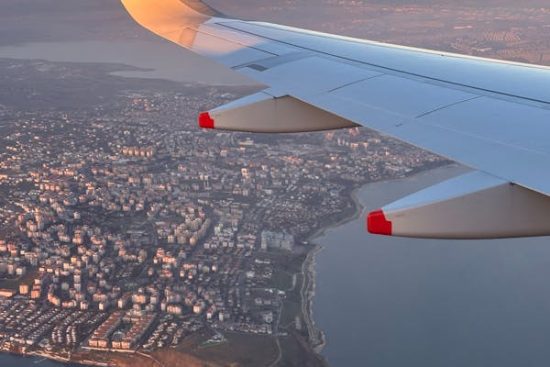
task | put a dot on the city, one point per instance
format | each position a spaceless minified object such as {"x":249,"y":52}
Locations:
{"x":127,"y":230}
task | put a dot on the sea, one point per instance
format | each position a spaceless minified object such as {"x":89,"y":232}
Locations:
{"x":387,"y":302}
{"x":154,"y":60}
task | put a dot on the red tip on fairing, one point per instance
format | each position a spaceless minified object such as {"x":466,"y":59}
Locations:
{"x":378,"y":224}
{"x":206,"y":121}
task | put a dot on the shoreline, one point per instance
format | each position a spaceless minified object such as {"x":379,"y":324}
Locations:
{"x":49,"y":357}
{"x":55,"y":358}
{"x":317,"y":337}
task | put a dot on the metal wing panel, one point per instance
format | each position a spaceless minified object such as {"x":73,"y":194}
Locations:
{"x":506,"y":78}
{"x":311,"y":75}
{"x":510,"y":124}
{"x":226,"y":52}
{"x":245,"y":39}
{"x":401,"y":96}
{"x":510,"y":163}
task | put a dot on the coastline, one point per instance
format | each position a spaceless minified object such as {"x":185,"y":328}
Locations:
{"x":317,"y":337}
{"x":38,"y":357}
{"x":72,"y":362}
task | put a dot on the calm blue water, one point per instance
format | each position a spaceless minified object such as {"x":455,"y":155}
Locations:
{"x":387,"y":302}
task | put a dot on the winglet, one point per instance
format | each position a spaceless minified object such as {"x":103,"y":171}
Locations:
{"x":175,"y":20}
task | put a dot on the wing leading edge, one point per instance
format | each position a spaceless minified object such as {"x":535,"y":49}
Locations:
{"x":490,"y":115}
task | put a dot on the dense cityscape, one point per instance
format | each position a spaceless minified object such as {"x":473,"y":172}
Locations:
{"x":125,"y":228}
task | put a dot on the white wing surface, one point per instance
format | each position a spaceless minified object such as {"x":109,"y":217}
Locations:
{"x":490,"y":115}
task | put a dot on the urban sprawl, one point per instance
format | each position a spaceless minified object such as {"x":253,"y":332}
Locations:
{"x":124,"y":227}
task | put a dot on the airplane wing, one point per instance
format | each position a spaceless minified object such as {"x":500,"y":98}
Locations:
{"x":490,"y":115}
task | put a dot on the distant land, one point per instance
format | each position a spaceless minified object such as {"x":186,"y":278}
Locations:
{"x":505,"y":29}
